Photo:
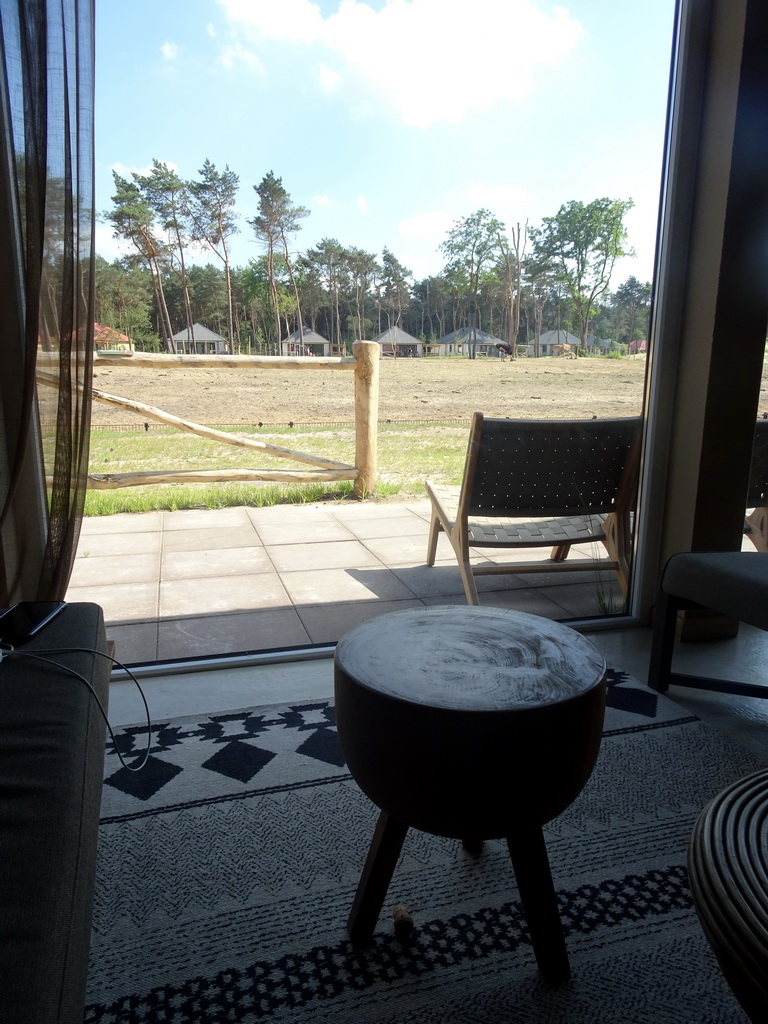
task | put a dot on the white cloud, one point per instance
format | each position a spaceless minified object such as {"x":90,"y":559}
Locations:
{"x":170,"y":51}
{"x":296,"y":20}
{"x":423,"y":234}
{"x":210,"y":28}
{"x":107,"y":246}
{"x":329,"y":79}
{"x":421,"y":261}
{"x":236,"y":53}
{"x":362,"y":204}
{"x":322,"y":202}
{"x":429,"y":60}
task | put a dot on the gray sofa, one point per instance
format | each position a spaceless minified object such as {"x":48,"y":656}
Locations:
{"x":51,"y":763}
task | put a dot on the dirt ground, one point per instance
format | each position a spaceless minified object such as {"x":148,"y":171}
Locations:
{"x":410,"y":389}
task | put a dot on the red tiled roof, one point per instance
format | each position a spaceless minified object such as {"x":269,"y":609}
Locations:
{"x":109,"y":334}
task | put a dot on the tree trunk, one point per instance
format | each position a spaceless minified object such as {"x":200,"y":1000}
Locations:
{"x":228,"y":277}
{"x":184,"y":288}
{"x":157,"y":284}
{"x":273,"y":289}
{"x":538,"y":315}
{"x":293,"y":285}
{"x":162,"y":308}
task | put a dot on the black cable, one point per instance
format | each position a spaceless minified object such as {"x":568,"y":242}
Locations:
{"x":8,"y":650}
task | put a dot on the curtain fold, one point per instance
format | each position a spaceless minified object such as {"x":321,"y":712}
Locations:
{"x":46,"y":289}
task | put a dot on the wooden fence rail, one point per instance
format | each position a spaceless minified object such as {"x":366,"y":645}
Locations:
{"x":365,"y":366}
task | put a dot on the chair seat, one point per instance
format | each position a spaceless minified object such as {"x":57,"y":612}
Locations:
{"x":503,"y":532}
{"x":731,"y":583}
{"x":734,"y":583}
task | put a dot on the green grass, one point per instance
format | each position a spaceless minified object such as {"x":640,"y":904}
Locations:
{"x":407,"y":455}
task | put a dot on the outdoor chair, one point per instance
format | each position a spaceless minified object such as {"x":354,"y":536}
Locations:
{"x":541,"y":483}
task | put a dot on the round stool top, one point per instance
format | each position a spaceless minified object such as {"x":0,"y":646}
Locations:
{"x":470,"y":658}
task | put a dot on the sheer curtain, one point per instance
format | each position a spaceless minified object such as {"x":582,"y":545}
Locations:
{"x":46,"y":289}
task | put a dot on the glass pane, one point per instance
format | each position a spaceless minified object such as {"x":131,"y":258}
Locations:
{"x":473,"y":186}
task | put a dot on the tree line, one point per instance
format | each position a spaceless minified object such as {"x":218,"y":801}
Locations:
{"x":515,"y":283}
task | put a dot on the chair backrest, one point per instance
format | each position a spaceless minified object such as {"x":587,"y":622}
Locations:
{"x":758,"y":476}
{"x":520,"y":468}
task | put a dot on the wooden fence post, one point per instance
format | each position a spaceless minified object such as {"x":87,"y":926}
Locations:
{"x":367,"y":354}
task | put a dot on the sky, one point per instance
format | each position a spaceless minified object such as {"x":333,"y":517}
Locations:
{"x":391,"y":120}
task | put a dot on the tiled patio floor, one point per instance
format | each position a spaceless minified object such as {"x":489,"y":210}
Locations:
{"x":200,"y":582}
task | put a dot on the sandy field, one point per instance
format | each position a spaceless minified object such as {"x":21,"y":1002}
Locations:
{"x":410,"y":389}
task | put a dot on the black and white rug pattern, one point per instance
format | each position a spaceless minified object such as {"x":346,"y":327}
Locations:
{"x":228,"y":865}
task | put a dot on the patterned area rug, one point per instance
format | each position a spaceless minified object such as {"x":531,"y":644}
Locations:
{"x":228,"y":867}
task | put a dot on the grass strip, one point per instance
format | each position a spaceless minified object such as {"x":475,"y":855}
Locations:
{"x":407,"y":455}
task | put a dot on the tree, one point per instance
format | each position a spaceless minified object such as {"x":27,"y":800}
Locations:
{"x":471,"y":246}
{"x":328,"y":261}
{"x":132,"y":219}
{"x":264,"y":286}
{"x":363,"y":271}
{"x":253,"y":283}
{"x":512,"y":257}
{"x":309,"y":280}
{"x":123,"y":300}
{"x":214,"y":220}
{"x":168,"y":196}
{"x":394,"y":287}
{"x":631,"y":303}
{"x":208,"y":297}
{"x":541,"y":277}
{"x":278,"y":218}
{"x":584,"y":242}
{"x":431,"y":299}
{"x":106,"y":277}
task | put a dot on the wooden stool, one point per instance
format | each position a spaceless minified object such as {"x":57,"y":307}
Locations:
{"x":728,"y":872}
{"x":473,"y":723}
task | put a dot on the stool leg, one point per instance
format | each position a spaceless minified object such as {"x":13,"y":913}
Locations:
{"x":380,"y":864}
{"x":537,"y":894}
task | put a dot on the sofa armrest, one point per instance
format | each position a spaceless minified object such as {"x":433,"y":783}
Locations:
{"x":52,"y":738}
